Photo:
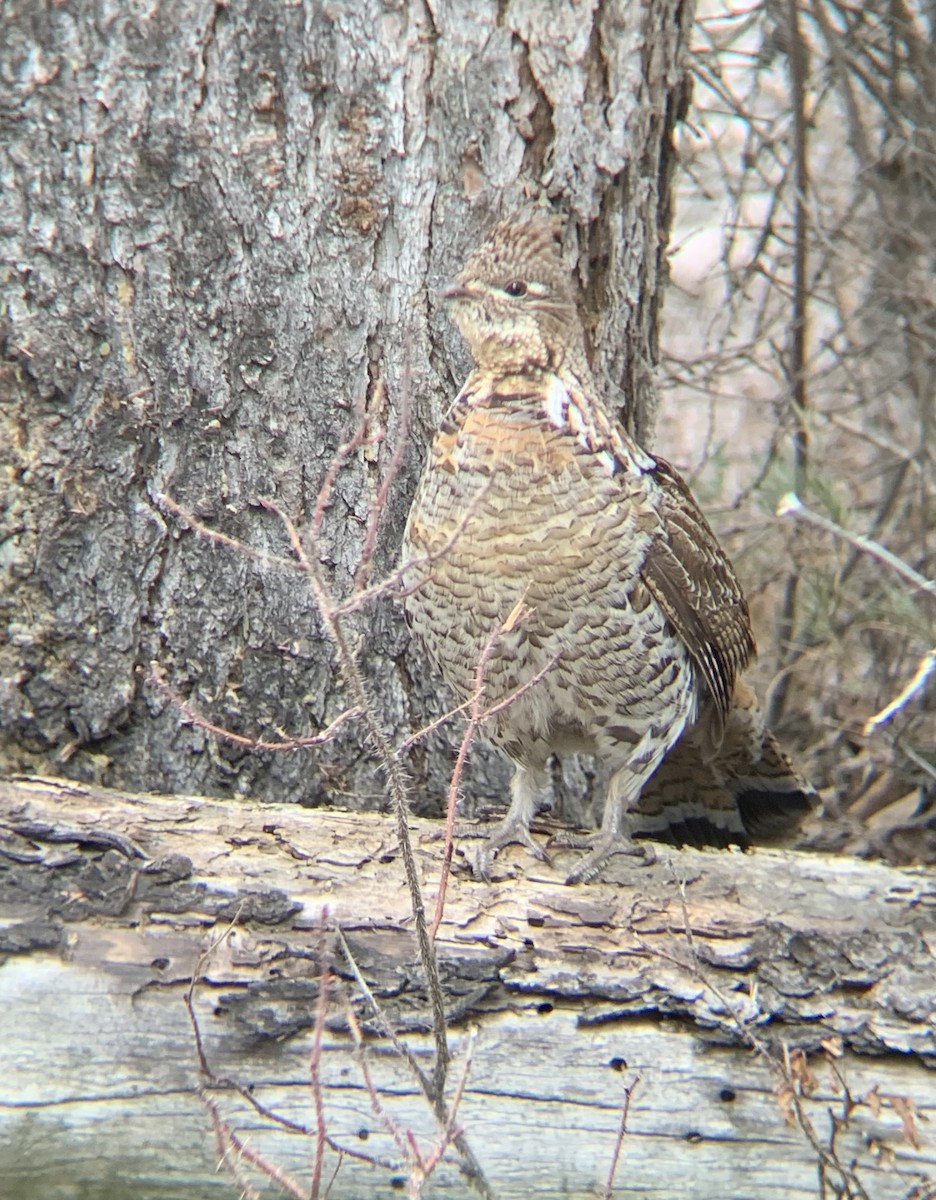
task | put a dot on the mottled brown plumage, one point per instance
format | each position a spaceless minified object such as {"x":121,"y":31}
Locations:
{"x":551,"y":542}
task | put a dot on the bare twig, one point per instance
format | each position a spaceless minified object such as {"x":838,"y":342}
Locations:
{"x":455,"y":779}
{"x":796,"y":55}
{"x":236,"y":1148}
{"x":790,"y":505}
{"x":386,"y":1026}
{"x":226,"y":1138}
{"x":340,"y":457}
{"x":445,"y":1117}
{"x":927,"y":767}
{"x":421,"y":1167}
{"x":396,"y":780}
{"x":158,"y":677}
{"x":925,"y":669}
{"x":607,"y":1191}
{"x":264,"y":558}
{"x":189,"y":998}
{"x":389,"y":1123}
{"x":790,"y":1080}
{"x":477,"y":718}
{"x":315,"y":1056}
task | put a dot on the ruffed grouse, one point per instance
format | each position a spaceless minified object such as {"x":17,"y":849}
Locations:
{"x":545,"y":538}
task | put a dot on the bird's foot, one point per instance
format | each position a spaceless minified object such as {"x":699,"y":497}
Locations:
{"x":509,"y":832}
{"x":602,"y":847}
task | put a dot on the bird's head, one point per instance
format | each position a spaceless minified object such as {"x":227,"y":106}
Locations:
{"x":514,"y":301}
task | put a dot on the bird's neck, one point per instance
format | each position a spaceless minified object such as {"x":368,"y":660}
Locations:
{"x":564,"y":396}
{"x":568,"y":363}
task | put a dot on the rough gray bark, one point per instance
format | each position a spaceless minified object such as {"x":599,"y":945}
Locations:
{"x":668,"y":972}
{"x":223,"y":227}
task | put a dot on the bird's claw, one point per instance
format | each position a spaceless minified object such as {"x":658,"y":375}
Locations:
{"x":508,"y":833}
{"x":602,"y":847}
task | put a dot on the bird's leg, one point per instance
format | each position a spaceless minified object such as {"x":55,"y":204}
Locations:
{"x":614,"y":836}
{"x":526,"y":785}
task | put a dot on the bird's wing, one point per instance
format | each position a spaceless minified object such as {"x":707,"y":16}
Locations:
{"x":692,"y":580}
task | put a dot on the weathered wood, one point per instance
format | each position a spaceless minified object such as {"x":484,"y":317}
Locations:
{"x":573,"y":992}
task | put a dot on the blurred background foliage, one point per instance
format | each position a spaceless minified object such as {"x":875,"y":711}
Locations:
{"x":799,"y":352}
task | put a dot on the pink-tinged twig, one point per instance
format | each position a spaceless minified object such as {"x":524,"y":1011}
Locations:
{"x":474,"y":721}
{"x":608,"y":1190}
{"x":226,"y":1159}
{"x":518,"y":692}
{"x":420,"y":1166}
{"x":396,"y":779}
{"x":476,"y":718}
{"x":229,"y":1140}
{"x":446,"y":1118}
{"x":401,"y":1137}
{"x":452,"y":1132}
{"x":189,"y":998}
{"x":434,"y":725}
{"x":393,"y":584}
{"x":463,"y":1078}
{"x":213,"y":535}
{"x":157,"y":675}
{"x":212,"y":1080}
{"x":341,"y":456}
{"x":315,"y":1057}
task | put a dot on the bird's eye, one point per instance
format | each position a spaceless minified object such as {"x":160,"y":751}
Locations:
{"x":516,"y":288}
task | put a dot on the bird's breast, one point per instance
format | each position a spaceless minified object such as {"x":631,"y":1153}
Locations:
{"x":513,"y":504}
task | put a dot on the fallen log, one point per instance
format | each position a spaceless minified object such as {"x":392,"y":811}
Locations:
{"x":716,"y":1024}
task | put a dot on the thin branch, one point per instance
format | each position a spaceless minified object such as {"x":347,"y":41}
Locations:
{"x":608,"y":1190}
{"x":263,"y":557}
{"x":477,"y":718}
{"x":157,"y":676}
{"x":341,"y":456}
{"x":386,"y":1026}
{"x":781,"y":1068}
{"x":471,"y":1166}
{"x":790,"y":505}
{"x":786,"y":623}
{"x":389,"y":1123}
{"x":925,"y":669}
{"x":189,"y":997}
{"x":315,"y":1056}
{"x":392,"y":584}
{"x":842,"y":67}
{"x":229,"y":1139}
{"x":455,"y":779}
{"x":396,"y":779}
{"x":434,"y":725}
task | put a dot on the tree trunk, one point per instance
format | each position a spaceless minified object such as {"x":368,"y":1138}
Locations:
{"x":757,"y":997}
{"x":224,"y":228}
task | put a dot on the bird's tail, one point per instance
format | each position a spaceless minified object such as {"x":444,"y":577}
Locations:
{"x":744,"y":790}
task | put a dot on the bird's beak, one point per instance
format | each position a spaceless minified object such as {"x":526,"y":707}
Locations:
{"x":455,"y":291}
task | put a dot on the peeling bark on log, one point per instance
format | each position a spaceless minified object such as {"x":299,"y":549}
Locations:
{"x":665,"y":972}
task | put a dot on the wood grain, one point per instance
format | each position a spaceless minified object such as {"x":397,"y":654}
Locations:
{"x":572,"y":991}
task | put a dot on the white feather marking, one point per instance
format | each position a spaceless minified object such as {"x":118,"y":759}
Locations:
{"x":557,"y":402}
